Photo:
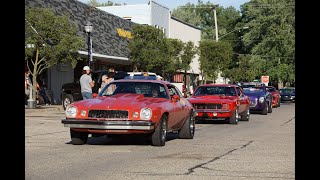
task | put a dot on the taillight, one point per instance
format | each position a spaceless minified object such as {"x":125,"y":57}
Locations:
{"x":225,"y":107}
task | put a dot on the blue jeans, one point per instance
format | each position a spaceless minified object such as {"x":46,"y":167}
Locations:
{"x":87,"y":95}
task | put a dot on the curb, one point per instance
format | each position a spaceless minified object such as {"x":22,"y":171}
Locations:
{"x":45,"y":109}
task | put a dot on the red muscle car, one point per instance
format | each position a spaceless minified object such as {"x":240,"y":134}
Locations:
{"x":276,"y":98}
{"x":149,"y":107}
{"x":220,"y":102}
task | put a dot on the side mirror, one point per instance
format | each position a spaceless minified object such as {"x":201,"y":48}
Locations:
{"x":176,"y":98}
{"x":95,"y":95}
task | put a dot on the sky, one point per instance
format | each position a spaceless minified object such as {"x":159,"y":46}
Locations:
{"x":171,"y":4}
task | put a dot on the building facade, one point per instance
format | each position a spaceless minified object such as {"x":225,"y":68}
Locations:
{"x":152,"y":13}
{"x":110,"y":39}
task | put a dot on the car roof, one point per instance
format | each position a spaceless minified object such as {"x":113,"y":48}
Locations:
{"x":219,"y":85}
{"x":142,"y":80}
{"x":141,"y":73}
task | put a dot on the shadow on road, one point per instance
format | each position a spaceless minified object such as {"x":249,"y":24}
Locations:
{"x":124,"y":140}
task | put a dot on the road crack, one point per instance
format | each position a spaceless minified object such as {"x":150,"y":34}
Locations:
{"x":191,"y":170}
{"x":288,"y":121}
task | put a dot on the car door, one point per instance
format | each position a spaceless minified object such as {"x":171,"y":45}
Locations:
{"x":244,"y":101}
{"x":179,"y":108}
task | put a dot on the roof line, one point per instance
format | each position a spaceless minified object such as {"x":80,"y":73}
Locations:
{"x":104,"y":56}
{"x":179,"y":20}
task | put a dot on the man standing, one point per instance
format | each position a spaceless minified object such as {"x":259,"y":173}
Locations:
{"x":86,"y":83}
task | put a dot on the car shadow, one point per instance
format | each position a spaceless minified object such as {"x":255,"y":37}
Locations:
{"x":211,"y":122}
{"x":123,"y":140}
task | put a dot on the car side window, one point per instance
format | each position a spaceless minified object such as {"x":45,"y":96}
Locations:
{"x":239,"y":91}
{"x":173,"y":91}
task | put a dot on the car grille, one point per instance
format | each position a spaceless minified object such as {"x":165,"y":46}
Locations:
{"x":108,"y":114}
{"x":207,"y":106}
{"x":253,"y":103}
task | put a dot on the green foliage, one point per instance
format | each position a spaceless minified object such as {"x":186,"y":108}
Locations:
{"x":95,"y":3}
{"x":188,"y":53}
{"x":271,"y":36}
{"x":54,"y":38}
{"x":202,"y":15}
{"x":214,"y":56}
{"x":148,"y":49}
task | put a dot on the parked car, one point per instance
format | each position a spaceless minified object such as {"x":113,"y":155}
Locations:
{"x":220,"y":102}
{"x":260,"y":99}
{"x":141,"y":75}
{"x":71,"y":92}
{"x":288,"y":94}
{"x":276,"y":97}
{"x":148,"y":107}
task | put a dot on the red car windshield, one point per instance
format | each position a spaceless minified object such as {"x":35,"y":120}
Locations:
{"x":215,"y":90}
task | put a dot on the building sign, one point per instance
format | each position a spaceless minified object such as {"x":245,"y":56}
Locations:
{"x":124,"y":33}
{"x":265,"y":79}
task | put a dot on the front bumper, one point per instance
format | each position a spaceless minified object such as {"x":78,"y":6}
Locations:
{"x":108,"y":125}
{"x":212,"y":114}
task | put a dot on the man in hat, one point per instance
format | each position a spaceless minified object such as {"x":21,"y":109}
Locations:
{"x":86,"y":83}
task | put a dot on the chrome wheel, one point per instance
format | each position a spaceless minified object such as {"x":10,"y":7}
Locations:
{"x":237,"y":115}
{"x":192,"y":122}
{"x":164,"y":130}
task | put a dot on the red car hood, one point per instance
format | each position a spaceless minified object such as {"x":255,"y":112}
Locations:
{"x":120,"y":101}
{"x":212,"y":99}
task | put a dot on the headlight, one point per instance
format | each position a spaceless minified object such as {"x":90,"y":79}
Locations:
{"x":71,"y":112}
{"x":261,"y":99}
{"x":145,"y":114}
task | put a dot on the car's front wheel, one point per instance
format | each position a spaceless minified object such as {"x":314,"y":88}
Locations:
{"x":266,"y":109}
{"x":78,"y":138}
{"x":158,"y":138}
{"x":187,"y":131}
{"x":67,"y":99}
{"x":246,"y":115}
{"x":279,"y":102}
{"x":270,"y":107}
{"x":234,"y":118}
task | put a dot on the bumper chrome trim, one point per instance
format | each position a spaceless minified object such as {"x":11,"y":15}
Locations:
{"x":109,"y":125}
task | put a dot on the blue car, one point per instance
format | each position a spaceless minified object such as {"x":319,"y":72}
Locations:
{"x":287,"y":94}
{"x":260,"y":99}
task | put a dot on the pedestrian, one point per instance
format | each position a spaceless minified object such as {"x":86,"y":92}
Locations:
{"x":106,"y":79}
{"x":86,"y":83}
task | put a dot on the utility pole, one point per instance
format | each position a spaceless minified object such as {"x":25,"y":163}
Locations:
{"x":215,"y":20}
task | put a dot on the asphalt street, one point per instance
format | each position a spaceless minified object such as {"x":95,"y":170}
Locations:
{"x":263,"y":148}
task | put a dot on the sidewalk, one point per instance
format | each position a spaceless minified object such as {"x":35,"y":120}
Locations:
{"x":57,"y":108}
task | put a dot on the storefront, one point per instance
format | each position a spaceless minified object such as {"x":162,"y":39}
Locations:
{"x":110,"y":39}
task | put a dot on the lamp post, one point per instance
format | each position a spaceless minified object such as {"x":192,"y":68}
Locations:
{"x":88,"y":28}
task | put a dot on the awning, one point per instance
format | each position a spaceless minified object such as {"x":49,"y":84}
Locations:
{"x":107,"y":58}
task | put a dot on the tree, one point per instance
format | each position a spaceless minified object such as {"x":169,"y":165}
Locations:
{"x":54,"y":40}
{"x":95,"y":3}
{"x":214,"y":57}
{"x":271,"y":36}
{"x":148,"y":49}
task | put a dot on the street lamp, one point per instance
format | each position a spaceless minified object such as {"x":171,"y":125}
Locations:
{"x":245,"y":27}
{"x":88,"y":28}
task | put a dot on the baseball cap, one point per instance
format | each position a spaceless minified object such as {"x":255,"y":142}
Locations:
{"x":87,"y":68}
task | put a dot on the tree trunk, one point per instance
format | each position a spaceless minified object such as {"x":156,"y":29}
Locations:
{"x":34,"y":77}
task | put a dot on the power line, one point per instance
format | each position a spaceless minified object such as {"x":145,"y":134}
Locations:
{"x":265,"y":56}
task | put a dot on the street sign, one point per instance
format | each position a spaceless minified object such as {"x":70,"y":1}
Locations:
{"x":265,"y":79}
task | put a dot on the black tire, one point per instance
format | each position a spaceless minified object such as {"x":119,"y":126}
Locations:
{"x":246,"y":115}
{"x":265,"y":110}
{"x":67,"y":99}
{"x":187,"y":130}
{"x":279,"y":102}
{"x":270,"y":108}
{"x":234,"y":118}
{"x":78,"y":138}
{"x":158,"y":137}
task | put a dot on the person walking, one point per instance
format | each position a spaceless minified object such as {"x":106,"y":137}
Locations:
{"x":86,"y":83}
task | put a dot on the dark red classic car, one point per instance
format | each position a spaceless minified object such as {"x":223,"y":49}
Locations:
{"x":149,"y":107}
{"x":220,"y":102}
